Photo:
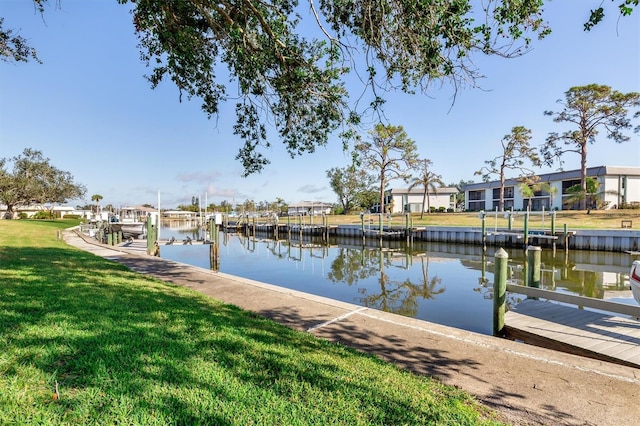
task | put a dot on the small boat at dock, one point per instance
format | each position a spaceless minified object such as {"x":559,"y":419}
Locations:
{"x":634,"y":280}
{"x":129,"y":229}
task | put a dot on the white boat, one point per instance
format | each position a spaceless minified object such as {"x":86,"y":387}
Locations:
{"x":634,"y":280}
{"x":129,"y":229}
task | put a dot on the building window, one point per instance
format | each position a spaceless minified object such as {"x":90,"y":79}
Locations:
{"x":537,"y":204}
{"x":476,"y":205}
{"x":508,"y":192}
{"x":566,"y":184}
{"x":476,"y":195}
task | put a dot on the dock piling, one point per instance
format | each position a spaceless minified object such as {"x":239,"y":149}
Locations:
{"x":534,"y":255}
{"x":484,"y":230}
{"x":526,"y":229}
{"x":499,"y":291}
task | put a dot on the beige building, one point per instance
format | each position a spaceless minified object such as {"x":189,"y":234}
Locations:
{"x":401,"y":200}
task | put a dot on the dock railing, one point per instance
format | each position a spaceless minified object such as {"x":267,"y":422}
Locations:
{"x":500,"y":288}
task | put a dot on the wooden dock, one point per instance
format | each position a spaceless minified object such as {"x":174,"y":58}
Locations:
{"x":578,"y":331}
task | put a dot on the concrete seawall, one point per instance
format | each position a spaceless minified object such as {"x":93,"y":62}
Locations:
{"x":601,"y":240}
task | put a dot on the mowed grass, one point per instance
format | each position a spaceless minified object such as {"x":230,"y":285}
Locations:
{"x":85,"y":341}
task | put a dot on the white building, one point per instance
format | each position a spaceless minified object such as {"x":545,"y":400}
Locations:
{"x":179,"y":214}
{"x":57,"y":211}
{"x":401,"y":200}
{"x":617,"y":186}
{"x":313,"y":208}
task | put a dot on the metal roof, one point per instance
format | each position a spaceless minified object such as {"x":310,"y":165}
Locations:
{"x":418,"y":190}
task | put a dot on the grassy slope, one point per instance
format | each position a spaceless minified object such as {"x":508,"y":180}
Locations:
{"x":124,"y":348}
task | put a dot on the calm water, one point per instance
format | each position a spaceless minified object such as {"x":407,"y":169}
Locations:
{"x":449,"y":284}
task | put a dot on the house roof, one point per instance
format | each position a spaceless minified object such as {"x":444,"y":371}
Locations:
{"x":139,"y":209}
{"x":418,"y":190}
{"x":309,"y":204}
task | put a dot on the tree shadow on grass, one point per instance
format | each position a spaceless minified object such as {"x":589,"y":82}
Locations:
{"x":126,"y":348}
{"x":417,"y":356}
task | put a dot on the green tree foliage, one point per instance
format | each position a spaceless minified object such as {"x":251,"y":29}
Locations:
{"x":279,"y":206}
{"x":428,"y":180}
{"x":367,"y":199}
{"x":592,"y":197}
{"x":248,"y":206}
{"x":187,"y":208}
{"x":288,"y":74}
{"x":598,"y":14}
{"x":194,"y":206}
{"x":531,"y":184}
{"x":33,"y":180}
{"x":293,"y":79}
{"x":225,"y":206}
{"x":516,"y":153}
{"x":350,"y":183}
{"x":88,"y":207}
{"x":14,"y":48}
{"x":589,"y":108}
{"x":461,"y":196}
{"x":390,"y":153}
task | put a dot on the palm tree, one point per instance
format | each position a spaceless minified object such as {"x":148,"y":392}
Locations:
{"x":97,"y":198}
{"x":591,"y":197}
{"x":428,"y":180}
{"x":529,"y":185}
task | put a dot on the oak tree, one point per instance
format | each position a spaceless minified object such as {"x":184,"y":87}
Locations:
{"x":349,"y":183}
{"x":34,"y":180}
{"x":390,"y":154}
{"x":287,"y":75}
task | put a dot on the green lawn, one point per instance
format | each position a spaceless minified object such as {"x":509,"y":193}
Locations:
{"x":122,"y":348}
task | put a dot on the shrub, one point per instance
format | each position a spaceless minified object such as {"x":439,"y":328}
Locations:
{"x":634,"y":205}
{"x":71,"y":216}
{"x":43,"y":215}
{"x":22,"y":215}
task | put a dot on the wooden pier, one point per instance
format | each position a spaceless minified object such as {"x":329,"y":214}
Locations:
{"x":581,"y":332}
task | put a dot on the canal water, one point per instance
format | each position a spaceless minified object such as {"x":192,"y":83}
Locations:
{"x":449,"y":284}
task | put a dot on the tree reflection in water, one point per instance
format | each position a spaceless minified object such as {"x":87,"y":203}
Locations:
{"x":396,"y":296}
{"x":450,"y":284}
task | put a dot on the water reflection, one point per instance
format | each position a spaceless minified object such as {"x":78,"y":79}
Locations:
{"x":450,"y":284}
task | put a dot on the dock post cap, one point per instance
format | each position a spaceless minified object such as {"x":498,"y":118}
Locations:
{"x":534,"y":248}
{"x":501,"y":253}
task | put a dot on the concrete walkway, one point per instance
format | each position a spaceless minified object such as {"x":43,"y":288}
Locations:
{"x":527,"y":385}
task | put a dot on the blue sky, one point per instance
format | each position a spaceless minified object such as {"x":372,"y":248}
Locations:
{"x":90,"y":110}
